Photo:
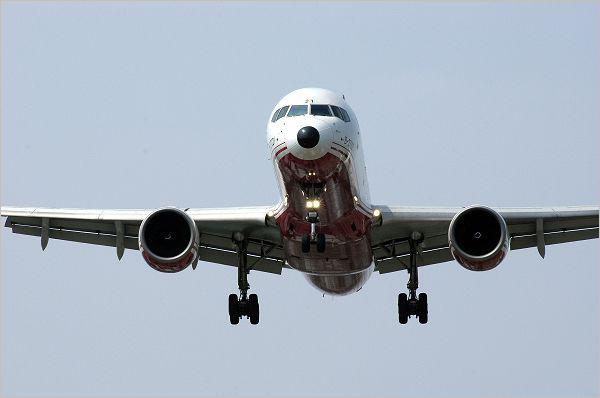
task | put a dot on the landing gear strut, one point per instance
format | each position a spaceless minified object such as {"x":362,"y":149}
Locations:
{"x":313,"y":237}
{"x":245,"y":305}
{"x":411,"y":305}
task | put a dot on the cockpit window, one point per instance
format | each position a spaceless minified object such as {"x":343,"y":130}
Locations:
{"x":345,"y":116}
{"x":337,"y":113}
{"x":279,"y":113}
{"x":274,"y":118}
{"x":298,"y":110}
{"x":282,"y":112}
{"x":340,"y":113}
{"x":315,"y":109}
{"x":320,"y":110}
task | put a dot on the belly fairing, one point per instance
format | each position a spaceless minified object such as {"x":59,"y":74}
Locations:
{"x":339,"y":284}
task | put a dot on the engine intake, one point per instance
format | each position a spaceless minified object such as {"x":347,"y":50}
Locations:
{"x":478,"y":238}
{"x":169,"y":240}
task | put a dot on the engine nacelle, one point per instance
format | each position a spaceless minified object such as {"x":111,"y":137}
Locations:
{"x":169,"y":240}
{"x":478,"y":238}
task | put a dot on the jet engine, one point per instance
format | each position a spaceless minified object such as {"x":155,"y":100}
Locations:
{"x":169,"y":240}
{"x":478,"y":238}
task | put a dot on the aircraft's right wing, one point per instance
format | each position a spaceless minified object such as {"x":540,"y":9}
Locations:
{"x":120,"y":228}
{"x":527,"y":227}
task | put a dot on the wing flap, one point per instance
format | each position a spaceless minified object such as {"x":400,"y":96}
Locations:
{"x":401,"y":246}
{"x":90,"y":226}
{"x":402,"y":262}
{"x":522,"y":242}
{"x":227,"y":257}
{"x":523,"y":223}
{"x":73,"y":236}
{"x":134,"y":215}
{"x":255,"y":247}
{"x":530,"y":227}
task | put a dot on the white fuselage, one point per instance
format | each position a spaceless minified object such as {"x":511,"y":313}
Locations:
{"x":317,"y":155}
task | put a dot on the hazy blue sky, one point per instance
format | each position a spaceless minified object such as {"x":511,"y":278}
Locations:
{"x":146,"y":104}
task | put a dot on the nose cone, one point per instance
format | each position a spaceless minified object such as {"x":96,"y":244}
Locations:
{"x":308,"y":137}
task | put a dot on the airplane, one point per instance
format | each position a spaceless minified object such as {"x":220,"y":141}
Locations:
{"x":324,"y":226}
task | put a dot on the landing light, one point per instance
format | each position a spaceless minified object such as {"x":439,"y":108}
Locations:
{"x":376,"y":213}
{"x":313,"y":204}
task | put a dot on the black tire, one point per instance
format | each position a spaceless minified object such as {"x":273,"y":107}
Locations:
{"x":422,"y":307}
{"x":305,"y":243}
{"x":402,"y":308}
{"x":253,"y":308}
{"x":321,"y":243}
{"x":234,"y":309}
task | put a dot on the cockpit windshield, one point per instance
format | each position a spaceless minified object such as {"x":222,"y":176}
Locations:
{"x":320,"y":110}
{"x":315,"y":110}
{"x":298,"y":110}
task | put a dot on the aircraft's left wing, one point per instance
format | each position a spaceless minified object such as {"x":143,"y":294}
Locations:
{"x":527,"y":227}
{"x":120,"y":228}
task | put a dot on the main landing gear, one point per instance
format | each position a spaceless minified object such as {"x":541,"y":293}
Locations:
{"x":245,"y":305}
{"x":313,"y":237}
{"x":411,"y":305}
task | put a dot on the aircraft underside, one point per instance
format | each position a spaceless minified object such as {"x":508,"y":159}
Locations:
{"x":342,"y":262}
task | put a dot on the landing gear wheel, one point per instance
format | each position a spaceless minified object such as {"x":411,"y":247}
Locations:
{"x":320,"y":243}
{"x":402,"y":308}
{"x":253,"y":309}
{"x":422,"y":308}
{"x":305,"y":243}
{"x":234,"y":309}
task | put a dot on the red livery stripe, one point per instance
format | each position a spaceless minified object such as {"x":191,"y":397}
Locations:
{"x":277,"y":146}
{"x":281,"y":150}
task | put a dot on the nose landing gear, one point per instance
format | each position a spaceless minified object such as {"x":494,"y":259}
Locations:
{"x":411,"y":304}
{"x":313,"y":237}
